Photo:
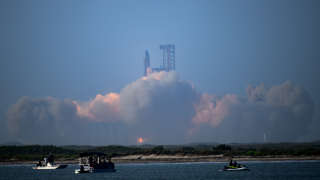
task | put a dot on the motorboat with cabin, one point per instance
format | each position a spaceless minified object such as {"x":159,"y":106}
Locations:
{"x":92,"y":162}
{"x":48,"y":163}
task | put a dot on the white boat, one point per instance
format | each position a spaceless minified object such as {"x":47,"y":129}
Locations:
{"x":51,"y":166}
{"x":48,"y":163}
{"x":94,"y":162}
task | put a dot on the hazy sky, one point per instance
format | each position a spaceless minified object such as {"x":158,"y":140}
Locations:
{"x":77,"y":49}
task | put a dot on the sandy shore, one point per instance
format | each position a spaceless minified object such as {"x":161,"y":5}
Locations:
{"x":180,"y":158}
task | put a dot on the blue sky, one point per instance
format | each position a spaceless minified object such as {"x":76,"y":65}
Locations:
{"x":76,"y":49}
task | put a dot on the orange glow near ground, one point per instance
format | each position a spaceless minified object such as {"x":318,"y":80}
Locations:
{"x":140,"y":140}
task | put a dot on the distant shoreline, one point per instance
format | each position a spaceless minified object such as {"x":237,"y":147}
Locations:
{"x":178,"y":159}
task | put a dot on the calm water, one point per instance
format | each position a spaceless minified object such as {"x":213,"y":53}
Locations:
{"x":258,"y":170}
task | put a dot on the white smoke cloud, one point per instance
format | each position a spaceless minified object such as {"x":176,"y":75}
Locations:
{"x":147,"y":107}
{"x":213,"y":110}
{"x":165,"y":110}
{"x":103,"y":108}
{"x":159,"y":106}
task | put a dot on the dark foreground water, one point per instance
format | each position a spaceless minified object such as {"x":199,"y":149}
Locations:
{"x":258,"y":170}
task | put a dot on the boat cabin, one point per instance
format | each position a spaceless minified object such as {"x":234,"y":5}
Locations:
{"x":96,"y":160}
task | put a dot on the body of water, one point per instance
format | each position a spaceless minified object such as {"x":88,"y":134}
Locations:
{"x":185,"y":171}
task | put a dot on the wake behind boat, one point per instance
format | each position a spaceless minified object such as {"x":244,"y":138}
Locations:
{"x":92,"y":162}
{"x":48,"y":163}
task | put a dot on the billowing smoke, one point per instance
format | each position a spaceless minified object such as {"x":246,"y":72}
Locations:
{"x":213,"y":110}
{"x":281,"y":113}
{"x":162,"y":109}
{"x":43,"y":120}
{"x":157,"y":107}
{"x":103,"y":108}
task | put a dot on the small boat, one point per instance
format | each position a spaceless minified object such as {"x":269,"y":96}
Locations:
{"x":234,"y":166}
{"x":50,"y":166}
{"x":93,"y":162}
{"x":238,"y":168}
{"x":48,"y":163}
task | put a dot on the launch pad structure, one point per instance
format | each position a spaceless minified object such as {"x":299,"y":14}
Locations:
{"x":168,"y":60}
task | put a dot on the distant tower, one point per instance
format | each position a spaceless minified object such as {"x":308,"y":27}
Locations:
{"x":146,"y":63}
{"x":168,"y":57}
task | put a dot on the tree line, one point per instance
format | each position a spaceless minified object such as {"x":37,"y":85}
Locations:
{"x":37,"y":152}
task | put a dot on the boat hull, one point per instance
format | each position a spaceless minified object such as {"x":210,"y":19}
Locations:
{"x":236,"y":169}
{"x":61,"y":166}
{"x":78,"y":171}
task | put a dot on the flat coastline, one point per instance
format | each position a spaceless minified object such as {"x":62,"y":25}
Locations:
{"x":179,"y":158}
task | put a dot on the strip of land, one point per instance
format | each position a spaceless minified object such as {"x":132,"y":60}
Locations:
{"x":179,"y":159}
{"x":30,"y":154}
{"x":208,"y":158}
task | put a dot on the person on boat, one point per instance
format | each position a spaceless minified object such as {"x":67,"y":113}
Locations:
{"x":39,"y":163}
{"x":81,"y":168}
{"x":45,"y":161}
{"x":91,"y":163}
{"x":230,"y":163}
{"x":51,"y":159}
{"x":233,"y":163}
